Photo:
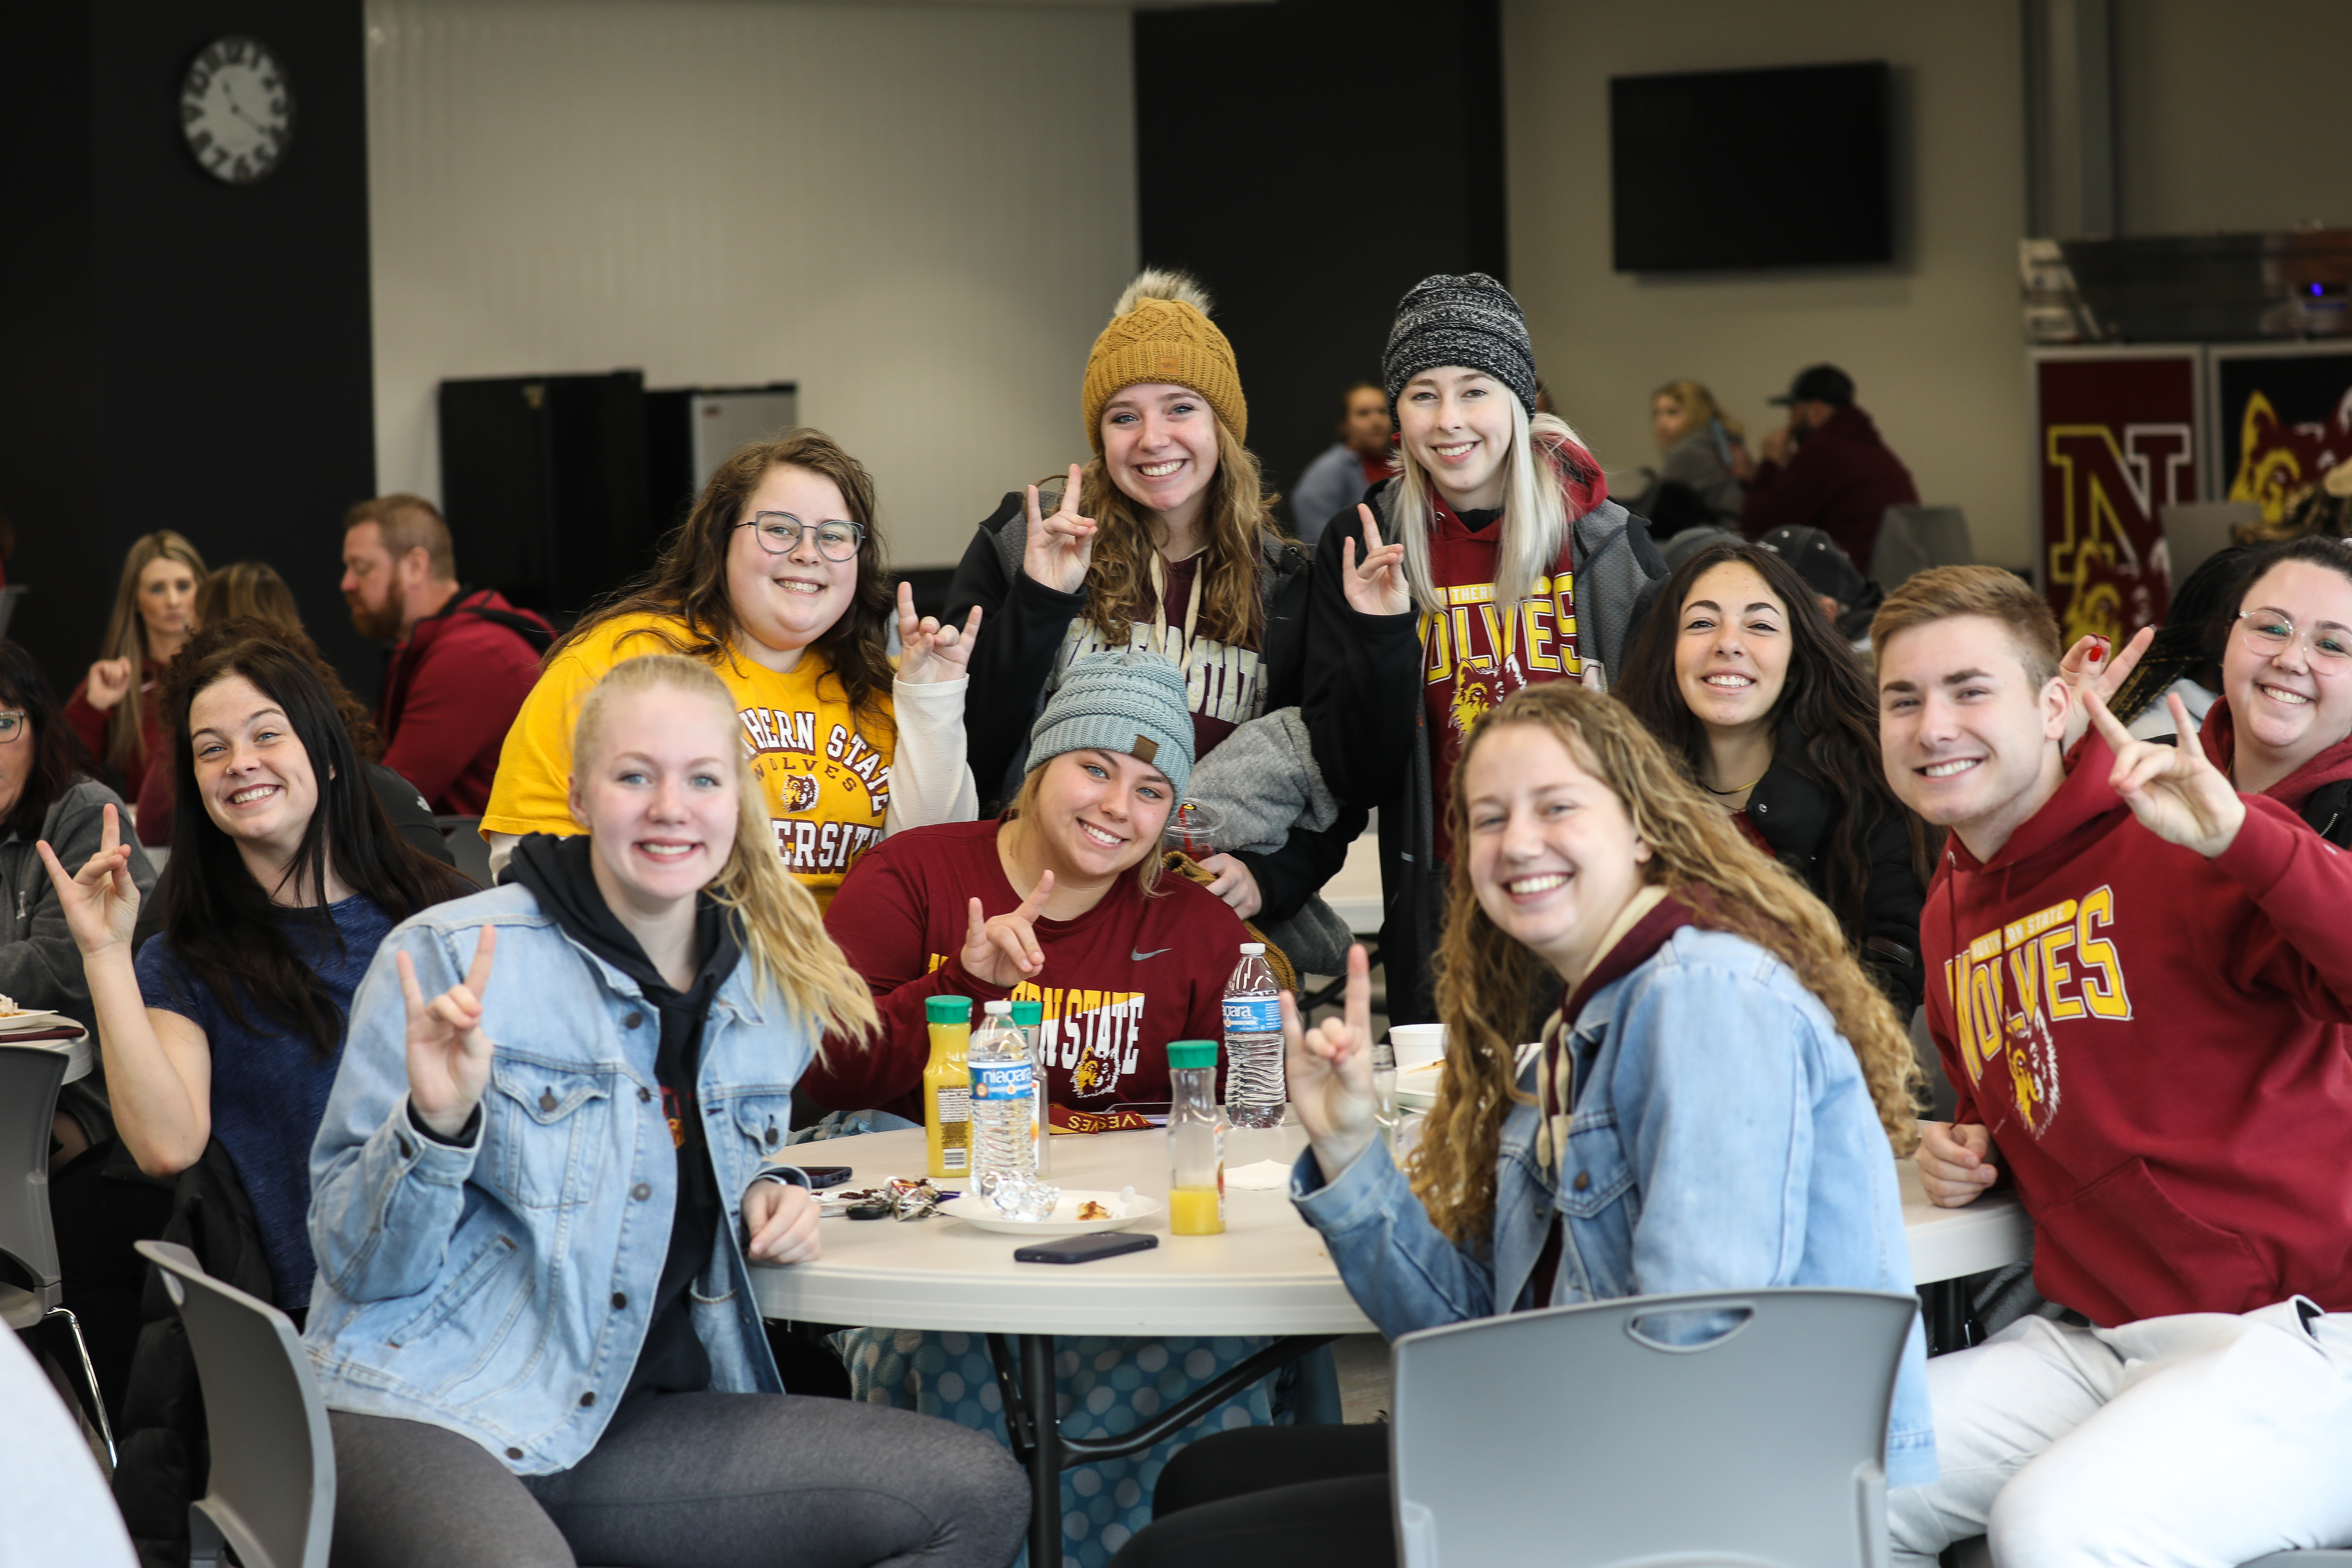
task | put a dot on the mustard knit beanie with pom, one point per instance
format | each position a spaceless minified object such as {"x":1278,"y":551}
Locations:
{"x":1160,"y":331}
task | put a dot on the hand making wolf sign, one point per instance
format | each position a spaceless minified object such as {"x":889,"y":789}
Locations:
{"x":1004,"y":951}
{"x":1329,"y":1068}
{"x":448,"y":1055}
{"x":1376,"y":586}
{"x":2175,"y":791}
{"x":929,"y":653}
{"x":1059,"y":548}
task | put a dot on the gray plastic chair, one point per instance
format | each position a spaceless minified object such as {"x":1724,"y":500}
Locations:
{"x":272,"y":1491}
{"x":467,"y":845}
{"x":1762,"y":1447}
{"x":30,"y":1077}
{"x":1912,"y":538}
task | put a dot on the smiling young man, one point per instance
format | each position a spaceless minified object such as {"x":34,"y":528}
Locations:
{"x":462,"y":658}
{"x":2141,"y":980}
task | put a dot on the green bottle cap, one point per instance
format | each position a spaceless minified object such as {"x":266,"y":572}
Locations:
{"x":1028,"y":1014}
{"x":1193,"y":1053}
{"x":947,"y":1009}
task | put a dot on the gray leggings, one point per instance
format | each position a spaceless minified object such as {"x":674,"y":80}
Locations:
{"x":687,"y":1479}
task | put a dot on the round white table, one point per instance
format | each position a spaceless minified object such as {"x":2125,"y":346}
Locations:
{"x":1267,"y":1274}
{"x":79,"y":1057}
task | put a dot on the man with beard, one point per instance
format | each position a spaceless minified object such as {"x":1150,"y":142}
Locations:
{"x":462,"y":658}
{"x":1827,"y":469}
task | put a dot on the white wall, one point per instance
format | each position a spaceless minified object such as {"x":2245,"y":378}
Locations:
{"x":2232,"y":117}
{"x":1932,"y":342}
{"x":920,"y":213}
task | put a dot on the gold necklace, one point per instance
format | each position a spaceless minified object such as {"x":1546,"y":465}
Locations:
{"x":1743,"y":789}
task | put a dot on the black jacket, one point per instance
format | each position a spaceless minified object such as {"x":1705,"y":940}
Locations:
{"x":1367,"y":720}
{"x":1022,"y":633}
{"x":163,"y":1460}
{"x":1794,"y":812}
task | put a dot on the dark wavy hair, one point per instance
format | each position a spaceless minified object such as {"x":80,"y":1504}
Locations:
{"x":56,"y":749}
{"x":689,"y":581}
{"x":222,"y":924}
{"x":2197,"y":627}
{"x":1825,"y":694}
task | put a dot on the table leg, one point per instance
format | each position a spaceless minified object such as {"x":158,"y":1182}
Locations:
{"x":1044,"y":1453}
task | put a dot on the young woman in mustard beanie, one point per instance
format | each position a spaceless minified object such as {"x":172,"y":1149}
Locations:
{"x":1165,"y":540}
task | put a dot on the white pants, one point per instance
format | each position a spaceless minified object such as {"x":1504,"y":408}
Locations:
{"x":2197,"y":1441}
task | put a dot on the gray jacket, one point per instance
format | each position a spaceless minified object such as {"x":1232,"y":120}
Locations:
{"x":39,"y":964}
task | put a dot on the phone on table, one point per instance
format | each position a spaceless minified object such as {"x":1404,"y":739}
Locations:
{"x":823,"y":1177}
{"x":1086,"y":1249}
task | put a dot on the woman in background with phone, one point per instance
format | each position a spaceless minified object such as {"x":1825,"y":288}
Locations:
{"x":544,"y":1171}
{"x":1712,"y":1108}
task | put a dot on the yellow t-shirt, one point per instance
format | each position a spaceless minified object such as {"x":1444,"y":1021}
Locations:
{"x":827,"y":786}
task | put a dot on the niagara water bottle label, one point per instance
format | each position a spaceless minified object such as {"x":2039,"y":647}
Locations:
{"x":1003,"y":1080}
{"x":1253,"y":1014}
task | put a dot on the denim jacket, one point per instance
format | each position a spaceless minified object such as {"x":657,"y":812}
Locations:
{"x":502,"y":1287}
{"x":1722,"y":1138}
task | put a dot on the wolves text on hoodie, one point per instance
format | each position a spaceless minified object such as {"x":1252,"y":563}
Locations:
{"x":2157,"y":1043}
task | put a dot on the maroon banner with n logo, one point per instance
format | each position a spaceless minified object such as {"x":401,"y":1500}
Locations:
{"x":2115,"y":443}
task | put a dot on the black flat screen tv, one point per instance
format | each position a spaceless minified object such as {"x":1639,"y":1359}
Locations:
{"x":1732,"y":171}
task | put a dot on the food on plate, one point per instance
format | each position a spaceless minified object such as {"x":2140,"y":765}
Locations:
{"x":1090,"y":1209}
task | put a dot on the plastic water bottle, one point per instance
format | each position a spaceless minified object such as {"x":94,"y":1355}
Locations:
{"x":1196,"y":1141}
{"x":1003,"y":1094}
{"x":1254,"y":1093}
{"x":1029,"y":1017}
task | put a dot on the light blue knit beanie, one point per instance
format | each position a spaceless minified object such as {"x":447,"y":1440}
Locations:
{"x":1132,"y":702}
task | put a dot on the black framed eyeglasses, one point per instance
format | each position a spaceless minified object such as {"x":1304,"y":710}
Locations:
{"x":780,"y":532}
{"x":12,"y":726}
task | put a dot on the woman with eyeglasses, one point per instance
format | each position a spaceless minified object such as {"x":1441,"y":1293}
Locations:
{"x":775,"y":581}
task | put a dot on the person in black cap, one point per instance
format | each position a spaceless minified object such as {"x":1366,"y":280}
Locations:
{"x":1827,"y":469}
{"x":1847,"y":597}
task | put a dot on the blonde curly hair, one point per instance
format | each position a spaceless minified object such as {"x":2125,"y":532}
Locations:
{"x":1484,"y":977}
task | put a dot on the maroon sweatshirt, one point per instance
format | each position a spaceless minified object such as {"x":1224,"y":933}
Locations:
{"x":1120,"y":982}
{"x":2218,"y":737}
{"x":2157,"y":1043}
{"x":450,"y":696}
{"x":1841,"y":479}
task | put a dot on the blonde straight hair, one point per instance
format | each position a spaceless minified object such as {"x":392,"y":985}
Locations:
{"x":783,"y":933}
{"x":1535,"y":510}
{"x":126,"y":637}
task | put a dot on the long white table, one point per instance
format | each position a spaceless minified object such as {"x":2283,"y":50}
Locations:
{"x":1268,"y":1273}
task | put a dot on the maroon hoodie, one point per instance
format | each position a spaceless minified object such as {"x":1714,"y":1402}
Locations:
{"x":450,"y":696}
{"x":2331,"y":766}
{"x":1841,"y":479}
{"x":2156,"y":1041}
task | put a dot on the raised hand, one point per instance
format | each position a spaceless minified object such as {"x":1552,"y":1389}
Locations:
{"x":929,"y":652}
{"x":1059,"y":548}
{"x":2175,"y":791}
{"x":448,"y":1055}
{"x":1331,"y":1072}
{"x":2087,"y":668}
{"x":1376,"y":586}
{"x":1955,"y":1161}
{"x":779,"y":1223}
{"x":1003,"y":952}
{"x":107,"y":681}
{"x":100,"y":901}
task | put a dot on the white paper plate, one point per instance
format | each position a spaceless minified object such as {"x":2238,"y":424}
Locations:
{"x":1417,"y":1099}
{"x":973,"y":1211}
{"x":19,"y":1022}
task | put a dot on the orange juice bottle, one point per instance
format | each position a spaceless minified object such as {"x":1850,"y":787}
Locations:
{"x":1196,"y":1141}
{"x":947,"y":1087}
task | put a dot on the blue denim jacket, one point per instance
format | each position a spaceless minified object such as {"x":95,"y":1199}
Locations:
{"x":502,"y":1289}
{"x":1722,"y":1139}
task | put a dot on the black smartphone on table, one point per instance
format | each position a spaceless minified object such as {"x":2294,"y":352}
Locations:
{"x":1087,"y":1248}
{"x":823,"y":1177}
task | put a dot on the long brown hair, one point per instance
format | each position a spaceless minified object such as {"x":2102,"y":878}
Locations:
{"x":1484,"y":977}
{"x":126,"y":637}
{"x":1238,"y":521}
{"x":1824,"y":694}
{"x":688,"y":584}
{"x":782,"y":933}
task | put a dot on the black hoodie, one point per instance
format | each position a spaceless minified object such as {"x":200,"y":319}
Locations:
{"x":559,"y":873}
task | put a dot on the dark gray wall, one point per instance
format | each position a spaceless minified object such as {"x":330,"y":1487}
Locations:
{"x":175,"y":351}
{"x":1310,"y":161}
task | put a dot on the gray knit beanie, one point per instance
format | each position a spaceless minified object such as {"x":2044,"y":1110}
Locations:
{"x":1470,"y":321}
{"x":1132,"y":702}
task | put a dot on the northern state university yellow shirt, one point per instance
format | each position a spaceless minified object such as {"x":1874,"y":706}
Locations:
{"x":827,"y":783}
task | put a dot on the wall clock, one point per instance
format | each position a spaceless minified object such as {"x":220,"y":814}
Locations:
{"x":236,"y":109}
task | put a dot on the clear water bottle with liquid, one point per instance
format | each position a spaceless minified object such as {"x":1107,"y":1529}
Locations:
{"x":1029,"y":1017}
{"x":1004,"y":1097}
{"x":1255,"y":1092}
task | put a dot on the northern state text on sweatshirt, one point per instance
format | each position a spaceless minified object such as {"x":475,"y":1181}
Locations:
{"x":2156,"y":1042}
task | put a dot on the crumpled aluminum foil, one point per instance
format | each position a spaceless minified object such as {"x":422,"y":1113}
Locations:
{"x":1018,"y":1196}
